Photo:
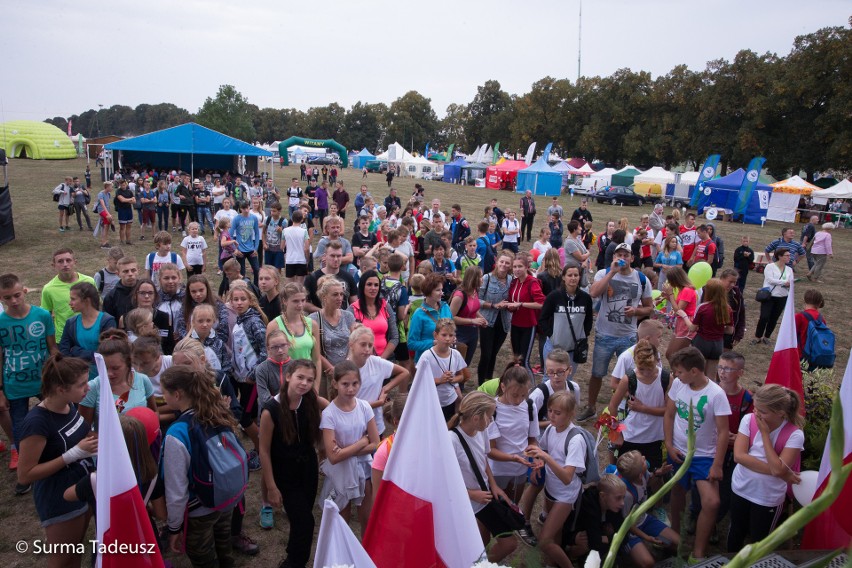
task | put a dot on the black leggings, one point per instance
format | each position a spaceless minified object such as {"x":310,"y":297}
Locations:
{"x":750,"y":520}
{"x":523,"y":339}
{"x":298,"y":501}
{"x":770,"y":311}
{"x":490,"y":341}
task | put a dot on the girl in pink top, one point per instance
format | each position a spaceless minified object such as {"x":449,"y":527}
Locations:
{"x":393,"y":413}
{"x":681,"y":296}
{"x":821,"y":251}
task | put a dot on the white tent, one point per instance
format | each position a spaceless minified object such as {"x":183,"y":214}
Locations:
{"x":586,"y":170}
{"x":598,"y":180}
{"x":418,"y":167}
{"x":655,"y":175}
{"x":395,"y":153}
{"x":842,"y":190}
{"x":784,"y":200}
{"x":689,"y":178}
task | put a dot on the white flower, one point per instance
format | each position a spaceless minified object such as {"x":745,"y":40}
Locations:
{"x":593,"y":560}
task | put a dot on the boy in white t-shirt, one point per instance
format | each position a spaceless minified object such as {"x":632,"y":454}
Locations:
{"x":297,"y":243}
{"x":511,"y":230}
{"x":710,"y":409}
{"x":193,"y":254}
{"x":163,"y":255}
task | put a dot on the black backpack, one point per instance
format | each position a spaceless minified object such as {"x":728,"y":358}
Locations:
{"x":632,"y":383}
{"x":542,"y":412}
{"x":488,"y":257}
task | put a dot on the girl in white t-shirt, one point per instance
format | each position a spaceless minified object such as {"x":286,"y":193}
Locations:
{"x":562,"y":485}
{"x":760,"y":478}
{"x":446,"y":366}
{"x":514,"y":429}
{"x":468,"y":436}
{"x":374,"y":371}
{"x":542,"y":245}
{"x":350,"y":436}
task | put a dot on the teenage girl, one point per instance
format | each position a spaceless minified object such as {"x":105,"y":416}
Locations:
{"x":445,"y":366}
{"x":269,"y":282}
{"x":53,"y":452}
{"x":378,"y":376}
{"x":514,"y":429}
{"x":205,"y":533}
{"x":302,"y":333}
{"x":349,"y":435}
{"x":762,"y":473}
{"x":561,"y":483}
{"x":249,"y":349}
{"x":289,"y":436}
{"x":392,"y":411}
{"x":468,"y":435}
{"x":713,"y":319}
{"x":680,"y":294}
{"x":525,"y":301}
{"x":542,"y":245}
{"x":227,"y":244}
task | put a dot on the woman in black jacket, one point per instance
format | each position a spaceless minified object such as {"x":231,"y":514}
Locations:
{"x":567,"y":317}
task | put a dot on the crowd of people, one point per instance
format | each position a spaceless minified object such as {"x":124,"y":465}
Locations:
{"x":311,"y":357}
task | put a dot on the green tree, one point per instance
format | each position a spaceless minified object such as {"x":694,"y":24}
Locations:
{"x":489,"y":116}
{"x":228,"y":113}
{"x":671,"y":114}
{"x":412,"y":122}
{"x":324,"y":122}
{"x":364,"y":125}
{"x":451,"y":128}
{"x":273,"y":124}
{"x":61,"y":123}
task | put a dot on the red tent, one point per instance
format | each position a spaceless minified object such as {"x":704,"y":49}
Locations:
{"x":504,"y":175}
{"x":576,"y":163}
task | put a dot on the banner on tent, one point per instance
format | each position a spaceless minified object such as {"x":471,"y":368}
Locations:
{"x":707,"y":172}
{"x":749,"y":183}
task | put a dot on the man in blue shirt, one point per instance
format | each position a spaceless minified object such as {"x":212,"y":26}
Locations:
{"x":246,"y":231}
{"x":797,"y":251}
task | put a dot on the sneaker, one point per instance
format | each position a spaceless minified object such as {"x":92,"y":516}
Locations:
{"x":105,"y":246}
{"x":526,"y":534}
{"x":13,"y":459}
{"x":693,"y":561}
{"x":141,"y":237}
{"x":587,"y":414}
{"x":267,"y":519}
{"x":21,"y":489}
{"x":184,"y":233}
{"x":253,"y":461}
{"x":244,"y":544}
{"x":61,"y":229}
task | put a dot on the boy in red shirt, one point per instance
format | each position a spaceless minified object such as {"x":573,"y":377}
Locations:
{"x":705,"y":249}
{"x":814,"y":302}
{"x":688,"y":237}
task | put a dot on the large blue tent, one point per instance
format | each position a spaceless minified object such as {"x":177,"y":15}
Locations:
{"x":360,"y":159}
{"x":453,"y":170}
{"x":539,"y":178}
{"x":188,"y":146}
{"x":724,"y":192}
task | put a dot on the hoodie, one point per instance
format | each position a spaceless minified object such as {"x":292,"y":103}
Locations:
{"x":118,"y":301}
{"x":249,"y":342}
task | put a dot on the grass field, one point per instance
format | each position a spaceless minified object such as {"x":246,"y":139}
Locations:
{"x":37,"y":236}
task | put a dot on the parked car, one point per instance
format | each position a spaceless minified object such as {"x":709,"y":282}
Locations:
{"x":376,"y":166}
{"x":616,"y":194}
{"x":324,"y":160}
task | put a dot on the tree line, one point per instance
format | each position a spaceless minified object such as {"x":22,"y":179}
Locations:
{"x":794,"y":110}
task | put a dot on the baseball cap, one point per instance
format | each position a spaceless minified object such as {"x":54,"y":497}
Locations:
{"x":622,"y":246}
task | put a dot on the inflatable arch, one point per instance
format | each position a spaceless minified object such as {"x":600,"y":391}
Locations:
{"x":297,"y":141}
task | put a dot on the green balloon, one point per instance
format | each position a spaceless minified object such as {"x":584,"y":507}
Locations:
{"x":700,"y":273}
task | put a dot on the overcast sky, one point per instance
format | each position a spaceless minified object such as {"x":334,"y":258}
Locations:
{"x":62,"y":58}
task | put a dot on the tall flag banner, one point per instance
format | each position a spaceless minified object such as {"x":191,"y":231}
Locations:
{"x":426,"y":153}
{"x":546,"y":154}
{"x":422,"y":516}
{"x":833,"y":528}
{"x":784,"y":367}
{"x":707,"y":172}
{"x":336,"y":545}
{"x":122,"y":520}
{"x":530,"y":154}
{"x":69,"y":128}
{"x":749,"y":183}
{"x":496,"y":155}
{"x":450,"y":152}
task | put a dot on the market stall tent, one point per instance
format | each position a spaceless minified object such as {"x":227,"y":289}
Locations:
{"x":681,"y":190}
{"x":35,"y":140}
{"x":624,"y":176}
{"x":360,"y":159}
{"x":598,"y":180}
{"x":504,"y":174}
{"x":472,"y":173}
{"x":842,"y":190}
{"x":395,"y":153}
{"x":418,"y":167}
{"x":653,"y":182}
{"x":453,"y":170}
{"x":539,"y":178}
{"x":724,"y":192}
{"x":577,"y":163}
{"x":785,"y":198}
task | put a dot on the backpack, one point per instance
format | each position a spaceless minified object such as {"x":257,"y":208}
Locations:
{"x":632,"y":384}
{"x":819,"y":342}
{"x":780,"y":442}
{"x":542,"y":412}
{"x":150,"y":261}
{"x":487,"y":258}
{"x":218,"y":464}
{"x":592,"y":473}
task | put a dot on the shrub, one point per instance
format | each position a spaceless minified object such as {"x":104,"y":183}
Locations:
{"x":819,"y":393}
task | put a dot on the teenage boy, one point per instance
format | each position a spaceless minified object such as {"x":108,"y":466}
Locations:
{"x":397,"y":243}
{"x":273,"y":244}
{"x":57,"y":293}
{"x":162,"y":255}
{"x":331,"y":267}
{"x":341,"y":199}
{"x":294,"y":195}
{"x":433,"y":237}
{"x":334,"y":226}
{"x":81,"y":196}
{"x":556,"y":208}
{"x":107,"y":277}
{"x":688,"y":237}
{"x":743,"y":257}
{"x":246,"y":231}
{"x":63,"y":202}
{"x":625,"y":296}
{"x":469,"y":258}
{"x":582,"y":213}
{"x":27,"y":339}
{"x":511,"y":231}
{"x":297,"y":243}
{"x":394,"y":290}
{"x":363,"y":240}
{"x":203,"y":199}
{"x":459,"y":226}
{"x":710,"y":409}
{"x":120,"y":299}
{"x":705,"y":248}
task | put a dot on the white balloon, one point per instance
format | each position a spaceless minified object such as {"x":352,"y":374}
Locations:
{"x":711,"y":214}
{"x":804,"y":491}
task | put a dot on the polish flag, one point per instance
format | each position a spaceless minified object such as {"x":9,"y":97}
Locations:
{"x":784,"y":367}
{"x":833,"y":528}
{"x":123,"y":529}
{"x":422,"y":516}
{"x":69,"y":128}
{"x":336,"y":545}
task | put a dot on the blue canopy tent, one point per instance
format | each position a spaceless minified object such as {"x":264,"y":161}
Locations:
{"x":540,"y":178}
{"x":453,"y":170}
{"x":361,"y":158}
{"x":724,"y":192}
{"x":186,"y":147}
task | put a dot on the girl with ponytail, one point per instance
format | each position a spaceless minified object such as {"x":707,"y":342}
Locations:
{"x":768,"y":452}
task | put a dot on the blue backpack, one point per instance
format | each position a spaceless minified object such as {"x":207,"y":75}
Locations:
{"x":218,"y":464}
{"x":819,"y":342}
{"x":487,"y":258}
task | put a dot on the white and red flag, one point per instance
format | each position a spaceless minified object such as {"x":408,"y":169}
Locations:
{"x":833,"y":528}
{"x":422,"y":516}
{"x":124,"y":532}
{"x":336,"y":545}
{"x":785,"y":368}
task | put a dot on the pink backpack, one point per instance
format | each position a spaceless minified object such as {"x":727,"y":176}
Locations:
{"x":786,"y":431}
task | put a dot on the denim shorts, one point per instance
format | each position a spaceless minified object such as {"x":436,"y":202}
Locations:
{"x":607,"y":346}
